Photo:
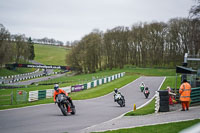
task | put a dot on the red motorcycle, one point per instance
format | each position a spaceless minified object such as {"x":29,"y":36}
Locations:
{"x":146,"y":92}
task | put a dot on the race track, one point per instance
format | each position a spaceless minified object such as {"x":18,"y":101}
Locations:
{"x":48,"y":117}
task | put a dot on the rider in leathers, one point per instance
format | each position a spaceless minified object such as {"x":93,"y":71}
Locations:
{"x":117,"y":92}
{"x":59,"y":91}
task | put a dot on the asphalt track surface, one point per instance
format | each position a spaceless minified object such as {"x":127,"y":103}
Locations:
{"x":48,"y":117}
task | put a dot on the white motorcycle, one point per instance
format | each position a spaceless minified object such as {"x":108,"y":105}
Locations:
{"x":119,"y":99}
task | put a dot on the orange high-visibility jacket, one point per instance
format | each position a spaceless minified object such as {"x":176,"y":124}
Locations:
{"x":59,"y":92}
{"x":185,"y":90}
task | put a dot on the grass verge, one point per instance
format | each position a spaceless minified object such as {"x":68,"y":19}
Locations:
{"x":6,"y":72}
{"x":173,"y":127}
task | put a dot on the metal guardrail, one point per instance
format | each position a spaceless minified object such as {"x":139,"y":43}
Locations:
{"x":195,"y":95}
{"x":42,"y":94}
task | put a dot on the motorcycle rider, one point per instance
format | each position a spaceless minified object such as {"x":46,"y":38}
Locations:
{"x":59,"y":91}
{"x":142,"y":86}
{"x":117,"y":92}
{"x":148,"y":92}
{"x":146,"y":89}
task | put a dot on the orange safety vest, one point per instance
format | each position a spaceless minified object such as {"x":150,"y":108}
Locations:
{"x":59,"y":92}
{"x":185,"y":90}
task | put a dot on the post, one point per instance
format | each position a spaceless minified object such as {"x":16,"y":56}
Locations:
{"x":11,"y":95}
{"x":176,"y":83}
{"x":185,"y":57}
{"x":134,"y":107}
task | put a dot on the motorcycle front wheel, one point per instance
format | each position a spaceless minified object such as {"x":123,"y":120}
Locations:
{"x":63,"y":109}
{"x":120,"y":102}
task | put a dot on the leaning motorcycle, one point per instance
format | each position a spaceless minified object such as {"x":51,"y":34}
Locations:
{"x":120,"y":100}
{"x":64,"y":105}
{"x":146,"y":93}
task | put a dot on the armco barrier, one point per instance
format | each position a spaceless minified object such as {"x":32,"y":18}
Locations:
{"x":67,"y":89}
{"x":49,"y":93}
{"x":85,"y":86}
{"x":41,"y":94}
{"x":33,"y":95}
{"x":92,"y":84}
{"x":89,"y":85}
{"x":195,"y":95}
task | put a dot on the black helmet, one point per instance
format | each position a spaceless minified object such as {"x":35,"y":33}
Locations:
{"x":56,"y":87}
{"x":116,"y":90}
{"x":184,"y":80}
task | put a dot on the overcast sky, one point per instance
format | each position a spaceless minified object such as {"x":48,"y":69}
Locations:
{"x":69,"y":20}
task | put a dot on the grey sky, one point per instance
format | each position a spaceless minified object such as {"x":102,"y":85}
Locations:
{"x":68,"y":20}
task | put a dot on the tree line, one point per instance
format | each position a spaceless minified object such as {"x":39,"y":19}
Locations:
{"x":155,"y":44}
{"x":14,"y":48}
{"x":48,"y":41}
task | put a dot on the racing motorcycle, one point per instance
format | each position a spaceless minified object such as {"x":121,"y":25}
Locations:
{"x":141,"y":88}
{"x":64,"y":105}
{"x":119,"y":99}
{"x":146,"y":92}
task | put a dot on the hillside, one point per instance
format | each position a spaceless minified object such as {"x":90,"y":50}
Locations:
{"x":50,"y":55}
{"x":45,"y":54}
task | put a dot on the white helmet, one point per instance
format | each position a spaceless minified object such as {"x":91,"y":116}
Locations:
{"x":56,"y":86}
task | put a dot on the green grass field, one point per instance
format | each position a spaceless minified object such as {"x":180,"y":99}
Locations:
{"x":173,"y":127}
{"x":45,"y":54}
{"x":50,"y":55}
{"x":6,"y":72}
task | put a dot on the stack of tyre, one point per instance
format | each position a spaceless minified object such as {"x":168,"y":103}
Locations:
{"x":164,"y":101}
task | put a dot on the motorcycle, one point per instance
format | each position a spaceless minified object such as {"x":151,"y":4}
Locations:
{"x":141,"y":88}
{"x":146,"y":93}
{"x":64,"y":105}
{"x":119,"y":99}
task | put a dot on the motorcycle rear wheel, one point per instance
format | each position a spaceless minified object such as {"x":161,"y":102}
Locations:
{"x":146,"y":95}
{"x":73,"y":111}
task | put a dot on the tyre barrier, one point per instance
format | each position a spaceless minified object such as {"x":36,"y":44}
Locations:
{"x":19,"y":79}
{"x":164,"y":101}
{"x":10,"y":87}
{"x":14,"y":76}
